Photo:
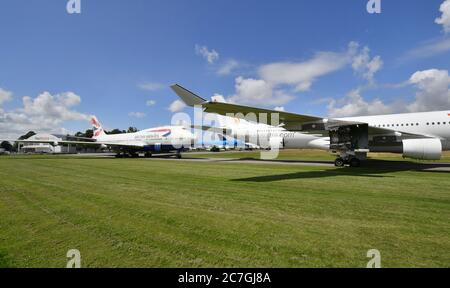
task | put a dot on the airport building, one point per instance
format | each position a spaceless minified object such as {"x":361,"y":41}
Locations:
{"x":54,"y":148}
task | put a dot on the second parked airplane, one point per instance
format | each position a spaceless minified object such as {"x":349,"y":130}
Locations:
{"x":416,"y":135}
{"x":153,"y":140}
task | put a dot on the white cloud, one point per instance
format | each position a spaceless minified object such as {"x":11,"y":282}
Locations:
{"x":267,"y":90}
{"x":355,"y":105}
{"x":364,"y":66}
{"x":137,"y":114}
{"x":435,"y":46}
{"x":444,"y":20}
{"x":433,"y":93}
{"x":433,"y":90}
{"x":209,"y":55}
{"x":5,"y":96}
{"x":55,"y":107}
{"x":302,"y":74}
{"x":218,"y":98}
{"x":44,"y":113}
{"x":151,"y":86}
{"x":279,"y":108}
{"x":228,"y":67}
{"x":258,"y":91}
{"x":426,"y":50}
{"x":150,"y":103}
{"x":176,"y":106}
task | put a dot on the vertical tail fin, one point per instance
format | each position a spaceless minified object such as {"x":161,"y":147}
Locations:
{"x":97,"y":127}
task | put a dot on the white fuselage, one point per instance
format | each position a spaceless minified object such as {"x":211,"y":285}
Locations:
{"x":432,"y":124}
{"x":165,"y":136}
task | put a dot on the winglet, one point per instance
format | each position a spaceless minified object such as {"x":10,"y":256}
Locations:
{"x":187,"y":96}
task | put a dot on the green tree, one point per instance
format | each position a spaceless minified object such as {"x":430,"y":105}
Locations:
{"x":7,"y":146}
{"x":89,"y":133}
{"x":116,"y":131}
{"x":132,"y":130}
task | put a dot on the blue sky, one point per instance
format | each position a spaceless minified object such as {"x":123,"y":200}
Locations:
{"x":117,"y":55}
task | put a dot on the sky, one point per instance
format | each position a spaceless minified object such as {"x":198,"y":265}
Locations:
{"x":116,"y":59}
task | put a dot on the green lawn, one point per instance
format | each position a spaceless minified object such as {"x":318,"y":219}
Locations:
{"x":311,"y":155}
{"x":160,"y":213}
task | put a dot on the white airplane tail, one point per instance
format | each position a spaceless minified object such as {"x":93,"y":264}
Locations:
{"x":97,"y":127}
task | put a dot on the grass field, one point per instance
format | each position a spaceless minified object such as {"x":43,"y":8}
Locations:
{"x":169,"y":213}
{"x":313,"y":155}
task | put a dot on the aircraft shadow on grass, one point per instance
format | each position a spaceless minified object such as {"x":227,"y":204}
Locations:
{"x":4,"y":261}
{"x":370,"y":168}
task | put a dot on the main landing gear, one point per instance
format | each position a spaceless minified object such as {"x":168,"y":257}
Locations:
{"x":352,"y":161}
{"x":127,"y":155}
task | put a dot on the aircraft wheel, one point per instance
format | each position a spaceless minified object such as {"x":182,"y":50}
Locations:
{"x":178,"y":155}
{"x":148,"y":155}
{"x":355,"y":162}
{"x":118,"y":155}
{"x":339,"y":162}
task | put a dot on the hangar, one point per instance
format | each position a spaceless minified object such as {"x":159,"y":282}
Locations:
{"x":46,"y":147}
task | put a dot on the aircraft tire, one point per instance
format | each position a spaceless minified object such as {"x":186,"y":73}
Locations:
{"x":339,"y":162}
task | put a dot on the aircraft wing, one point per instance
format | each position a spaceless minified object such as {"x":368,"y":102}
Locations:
{"x":192,"y":99}
{"x":284,"y":117}
{"x":377,"y":131}
{"x":290,"y":121}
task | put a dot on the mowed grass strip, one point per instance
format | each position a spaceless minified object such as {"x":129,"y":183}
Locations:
{"x":159,"y":213}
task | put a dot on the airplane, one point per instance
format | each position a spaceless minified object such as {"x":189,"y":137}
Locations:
{"x":224,"y":142}
{"x":163,"y":139}
{"x":422,"y":135}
